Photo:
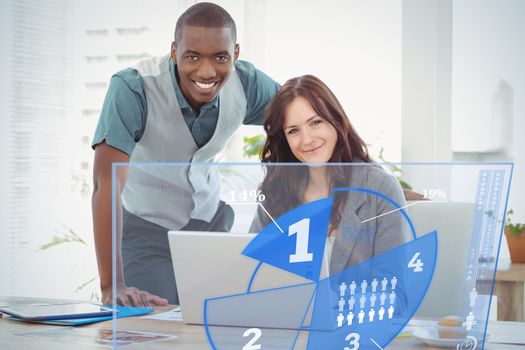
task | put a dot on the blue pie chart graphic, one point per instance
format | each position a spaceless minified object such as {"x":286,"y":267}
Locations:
{"x":361,"y":307}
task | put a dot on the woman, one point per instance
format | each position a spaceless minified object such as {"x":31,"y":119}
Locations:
{"x":305,"y":123}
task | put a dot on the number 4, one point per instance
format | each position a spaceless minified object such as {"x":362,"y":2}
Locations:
{"x":415,"y":263}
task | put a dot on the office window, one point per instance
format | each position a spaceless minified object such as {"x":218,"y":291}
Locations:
{"x":39,"y":48}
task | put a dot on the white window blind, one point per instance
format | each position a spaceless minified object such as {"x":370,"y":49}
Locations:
{"x":57,"y":61}
{"x":39,"y":49}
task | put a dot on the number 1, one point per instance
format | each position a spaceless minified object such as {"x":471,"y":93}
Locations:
{"x":302,"y":228}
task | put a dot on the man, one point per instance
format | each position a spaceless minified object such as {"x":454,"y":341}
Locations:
{"x":167,"y":110}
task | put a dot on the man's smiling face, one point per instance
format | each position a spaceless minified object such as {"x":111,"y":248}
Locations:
{"x":205,"y":58}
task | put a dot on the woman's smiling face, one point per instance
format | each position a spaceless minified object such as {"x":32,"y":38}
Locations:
{"x":311,"y":138}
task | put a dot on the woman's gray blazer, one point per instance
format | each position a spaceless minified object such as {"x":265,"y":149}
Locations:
{"x":357,"y":241}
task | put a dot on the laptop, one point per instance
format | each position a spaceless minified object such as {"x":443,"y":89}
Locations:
{"x":453,"y":222}
{"x":210,"y":265}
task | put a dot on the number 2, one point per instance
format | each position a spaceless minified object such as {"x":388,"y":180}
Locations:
{"x":251,"y":344}
{"x":302,"y":228}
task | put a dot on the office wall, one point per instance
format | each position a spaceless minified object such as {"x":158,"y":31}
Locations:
{"x":463,"y":86}
{"x":426,"y":87}
{"x":488,"y":73}
{"x":489,"y":88}
{"x":353,"y":45}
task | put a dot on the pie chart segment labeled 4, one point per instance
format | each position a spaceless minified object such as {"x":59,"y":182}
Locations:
{"x":368,"y":304}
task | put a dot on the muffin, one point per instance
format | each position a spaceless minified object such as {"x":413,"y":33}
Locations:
{"x":451,"y":327}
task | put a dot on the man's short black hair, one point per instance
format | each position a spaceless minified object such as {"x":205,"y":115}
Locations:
{"x":205,"y":14}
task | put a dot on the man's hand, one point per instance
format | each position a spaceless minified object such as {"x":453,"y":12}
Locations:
{"x":131,"y":296}
{"x":105,"y":156}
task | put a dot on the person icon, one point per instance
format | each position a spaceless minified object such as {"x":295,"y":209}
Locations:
{"x":364,"y":284}
{"x":382,"y":298}
{"x":393,"y":282}
{"x":473,"y":296}
{"x":390,"y":312}
{"x":340,"y":319}
{"x":342,"y":289}
{"x":341,"y":304}
{"x":373,"y":299}
{"x":351,"y":303}
{"x":362,"y":301}
{"x":381,"y":313}
{"x":470,"y":321}
{"x":392,"y":297}
{"x":371,"y":315}
{"x":353,"y":286}
{"x":384,"y":283}
{"x":350,"y":318}
{"x":374,"y":285}
{"x":361,"y":316}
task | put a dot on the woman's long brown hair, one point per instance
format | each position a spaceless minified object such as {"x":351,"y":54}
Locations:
{"x":284,"y":186}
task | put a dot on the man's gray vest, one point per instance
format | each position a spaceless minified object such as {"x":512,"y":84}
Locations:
{"x":156,"y":189}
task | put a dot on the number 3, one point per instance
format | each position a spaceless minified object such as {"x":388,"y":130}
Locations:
{"x":353,"y":339}
{"x":251,"y":344}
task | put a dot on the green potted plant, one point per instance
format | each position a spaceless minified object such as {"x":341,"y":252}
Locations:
{"x":515,"y":233}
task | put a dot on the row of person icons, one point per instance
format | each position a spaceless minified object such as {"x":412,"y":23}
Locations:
{"x":361,"y":316}
{"x":362,"y":301}
{"x":352,"y":287}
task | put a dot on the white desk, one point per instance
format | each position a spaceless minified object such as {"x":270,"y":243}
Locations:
{"x":191,"y":337}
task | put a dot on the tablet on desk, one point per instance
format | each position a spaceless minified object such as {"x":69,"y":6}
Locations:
{"x":56,"y":312}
